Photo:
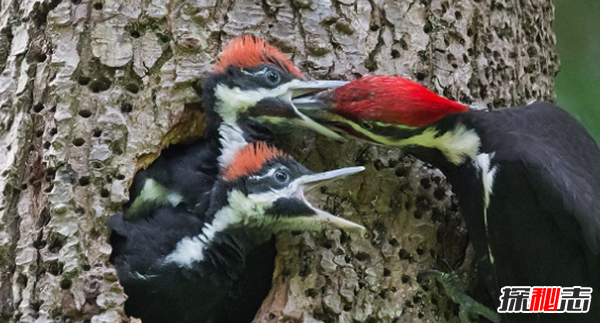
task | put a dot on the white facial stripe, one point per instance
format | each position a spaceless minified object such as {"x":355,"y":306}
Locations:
{"x":230,"y":102}
{"x":270,"y":173}
{"x":263,"y":200}
{"x":248,"y":211}
{"x":456,"y":145}
{"x":261,"y":72}
{"x":483,"y":162}
{"x":244,"y":209}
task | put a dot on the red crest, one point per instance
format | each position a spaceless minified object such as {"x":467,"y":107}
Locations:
{"x":394,"y":100}
{"x":250,"y":51}
{"x":250,"y":159}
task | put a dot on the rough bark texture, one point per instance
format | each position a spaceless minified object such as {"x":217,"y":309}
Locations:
{"x":91,"y":90}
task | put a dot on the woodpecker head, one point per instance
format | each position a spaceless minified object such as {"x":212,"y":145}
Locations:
{"x":264,"y":188}
{"x":392,"y":111}
{"x":371,"y":105}
{"x":261,"y":192}
{"x":254,"y":80}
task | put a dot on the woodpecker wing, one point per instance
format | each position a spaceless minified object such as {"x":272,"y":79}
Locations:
{"x":163,"y":292}
{"x":571,"y":182}
{"x":561,"y":161}
{"x":140,"y":244}
{"x":182,"y":175}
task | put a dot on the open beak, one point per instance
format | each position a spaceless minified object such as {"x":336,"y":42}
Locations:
{"x":315,"y":106}
{"x":310,"y":103}
{"x":302,"y":88}
{"x":296,"y":93}
{"x":308,"y":182}
{"x":318,"y":107}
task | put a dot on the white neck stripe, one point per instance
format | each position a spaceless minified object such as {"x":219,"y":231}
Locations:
{"x":232,"y":140}
{"x":483,"y":162}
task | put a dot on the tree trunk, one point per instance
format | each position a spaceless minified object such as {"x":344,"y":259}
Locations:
{"x":92,"y":90}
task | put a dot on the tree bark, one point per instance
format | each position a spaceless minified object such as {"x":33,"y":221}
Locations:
{"x":91,"y":90}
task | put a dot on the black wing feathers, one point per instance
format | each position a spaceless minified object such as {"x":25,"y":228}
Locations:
{"x":561,"y":161}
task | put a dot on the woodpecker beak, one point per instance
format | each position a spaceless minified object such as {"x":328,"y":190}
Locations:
{"x":310,"y":87}
{"x":308,"y":182}
{"x":310,"y":103}
{"x":313,"y":105}
{"x":297,"y":90}
{"x":318,"y":107}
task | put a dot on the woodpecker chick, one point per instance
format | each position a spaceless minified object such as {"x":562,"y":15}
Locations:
{"x":527,"y":178}
{"x":252,"y":85}
{"x":178,"y":267}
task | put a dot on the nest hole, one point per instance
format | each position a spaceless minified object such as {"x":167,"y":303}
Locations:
{"x":126,"y":107}
{"x":84,"y":181}
{"x":78,"y":142}
{"x":37,"y":108}
{"x":83,"y":80}
{"x":85,"y":113}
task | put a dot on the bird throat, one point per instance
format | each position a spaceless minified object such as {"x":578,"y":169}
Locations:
{"x":225,"y":222}
{"x":458,"y":144}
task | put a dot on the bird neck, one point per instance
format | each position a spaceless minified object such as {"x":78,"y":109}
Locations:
{"x":234,"y":136}
{"x":209,"y":102}
{"x":231,"y":137}
{"x":224,"y":233}
{"x":458,"y":152}
{"x":452,"y":141}
{"x":226,"y":254}
{"x":232,"y":129}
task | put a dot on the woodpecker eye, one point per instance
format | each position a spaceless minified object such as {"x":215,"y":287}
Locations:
{"x":281,"y":176}
{"x":272,"y":77}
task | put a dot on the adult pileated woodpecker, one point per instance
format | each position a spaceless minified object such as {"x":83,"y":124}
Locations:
{"x":527,"y":178}
{"x":178,"y":267}
{"x":252,"y":84}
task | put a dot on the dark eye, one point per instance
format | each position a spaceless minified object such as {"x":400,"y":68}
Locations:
{"x":281,"y":176}
{"x":272,"y":77}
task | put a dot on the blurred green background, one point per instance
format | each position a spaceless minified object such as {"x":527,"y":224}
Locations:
{"x":577,"y":28}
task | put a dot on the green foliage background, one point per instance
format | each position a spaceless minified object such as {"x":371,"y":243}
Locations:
{"x":577,"y":28}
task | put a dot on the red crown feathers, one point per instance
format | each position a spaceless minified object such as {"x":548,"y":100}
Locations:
{"x":393,"y":100}
{"x":250,"y":51}
{"x":249,"y":160}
